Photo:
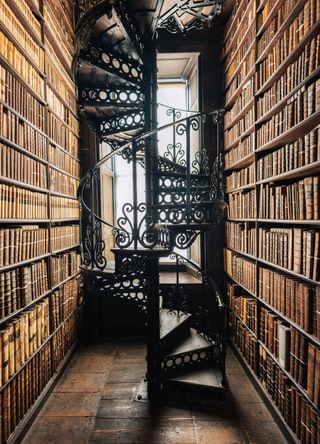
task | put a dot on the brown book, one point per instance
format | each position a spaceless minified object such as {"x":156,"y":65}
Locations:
{"x":311,"y":371}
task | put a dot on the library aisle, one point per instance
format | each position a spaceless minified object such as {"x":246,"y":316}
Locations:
{"x":93,"y":403}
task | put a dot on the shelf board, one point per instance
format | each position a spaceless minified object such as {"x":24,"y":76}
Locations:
{"x":234,"y":75}
{"x":244,"y":187}
{"x":306,"y":170}
{"x":49,"y":84}
{"x":26,"y":186}
{"x":67,"y":196}
{"x":288,"y":374}
{"x":290,"y":222}
{"x":69,"y":278}
{"x":231,"y":219}
{"x":241,"y":285}
{"x":40,"y":131}
{"x":240,"y":114}
{"x":293,"y":133}
{"x":269,"y":19}
{"x":240,"y":44}
{"x":63,"y":123}
{"x":61,"y":250}
{"x":22,"y":309}
{"x":245,"y":134}
{"x":25,"y":23}
{"x":234,"y":19}
{"x":229,"y":103}
{"x":51,"y":165}
{"x":24,"y":221}
{"x":21,"y":49}
{"x":284,"y":25}
{"x":53,"y":142}
{"x":22,"y":150}
{"x":27,"y":419}
{"x":290,"y":434}
{"x":66,"y":64}
{"x":249,"y":256}
{"x":261,"y":5}
{"x":25,"y":262}
{"x":243,"y":323}
{"x":70,"y":219}
{"x":241,"y":163}
{"x":15,"y":73}
{"x":288,"y":60}
{"x":282,"y":103}
{"x":289,"y":272}
{"x":34,"y":9}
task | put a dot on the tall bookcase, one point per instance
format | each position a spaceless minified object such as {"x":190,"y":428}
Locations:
{"x":40,"y":297}
{"x":271,"y":56}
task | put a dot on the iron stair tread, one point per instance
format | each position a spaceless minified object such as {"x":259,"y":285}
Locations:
{"x":194,"y":342}
{"x":171,"y":321}
{"x":209,"y":376}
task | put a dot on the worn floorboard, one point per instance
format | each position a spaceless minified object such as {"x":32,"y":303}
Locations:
{"x":94,"y":403}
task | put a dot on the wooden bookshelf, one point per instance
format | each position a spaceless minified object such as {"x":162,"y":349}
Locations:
{"x":39,"y":140}
{"x":284,"y":165}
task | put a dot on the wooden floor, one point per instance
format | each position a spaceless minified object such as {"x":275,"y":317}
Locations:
{"x":93,"y":403}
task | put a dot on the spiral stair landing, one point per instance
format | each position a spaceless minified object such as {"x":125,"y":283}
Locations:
{"x":184,"y":324}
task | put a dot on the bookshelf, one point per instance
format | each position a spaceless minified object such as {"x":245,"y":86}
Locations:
{"x":272,"y":232}
{"x":41,"y":304}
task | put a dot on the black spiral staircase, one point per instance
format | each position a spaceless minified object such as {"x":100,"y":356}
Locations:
{"x":115,"y":67}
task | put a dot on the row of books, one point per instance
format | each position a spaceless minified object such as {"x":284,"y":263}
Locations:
{"x":241,"y":270}
{"x":65,"y":301}
{"x":244,"y":306}
{"x":287,"y":43}
{"x":234,"y":79}
{"x":59,"y":32}
{"x":16,"y":95}
{"x":22,"y":337}
{"x":20,"y":286}
{"x":62,"y":135}
{"x":240,"y":103}
{"x":15,"y":165}
{"x":264,"y":12}
{"x":313,"y":384}
{"x":63,"y":11}
{"x":63,"y":208}
{"x":23,"y":243}
{"x":280,"y":16}
{"x":62,"y":183}
{"x":20,"y":394}
{"x":242,"y":125}
{"x":241,"y":237}
{"x":243,"y":149}
{"x":300,"y":153}
{"x":295,"y":249}
{"x":62,"y":160}
{"x":244,"y":340}
{"x":296,"y":73}
{"x":19,"y":62}
{"x":294,"y":407}
{"x":66,"y":336}
{"x":295,"y":299}
{"x":18,"y":203}
{"x":241,"y":178}
{"x":21,"y":133}
{"x":64,"y":266}
{"x":60,"y":81}
{"x":238,"y":52}
{"x":64,"y":236}
{"x":62,"y":111}
{"x":298,"y":108}
{"x":297,"y":201}
{"x":22,"y":37}
{"x":242,"y":205}
{"x":28,"y":15}
{"x":237,"y":11}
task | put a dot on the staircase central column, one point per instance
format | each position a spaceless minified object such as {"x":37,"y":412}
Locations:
{"x":151,"y":152}
{"x":153,"y":328}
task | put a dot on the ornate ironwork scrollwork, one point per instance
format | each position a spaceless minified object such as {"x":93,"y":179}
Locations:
{"x":185,"y":239}
{"x":201,"y":162}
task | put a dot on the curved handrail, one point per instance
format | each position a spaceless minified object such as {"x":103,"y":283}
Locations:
{"x":221,"y":304}
{"x":148,"y":134}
